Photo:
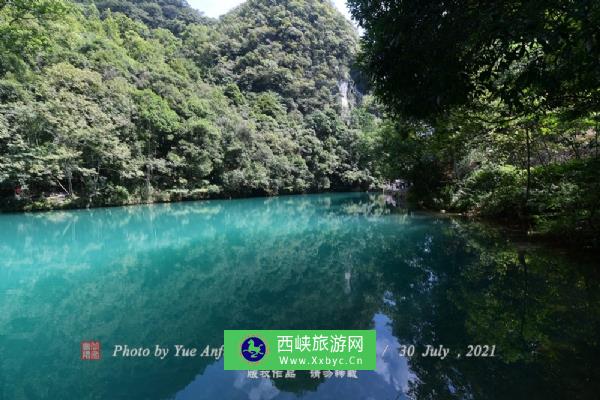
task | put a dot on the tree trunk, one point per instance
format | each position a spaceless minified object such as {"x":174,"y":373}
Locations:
{"x":528,"y":188}
{"x":149,"y":171}
{"x":596,"y":138}
{"x":523,"y":263}
{"x":95,"y":180}
{"x":69,"y":180}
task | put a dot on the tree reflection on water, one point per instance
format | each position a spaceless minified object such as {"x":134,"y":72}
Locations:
{"x":182,"y":273}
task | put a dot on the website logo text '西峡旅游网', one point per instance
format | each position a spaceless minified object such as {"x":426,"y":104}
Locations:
{"x":300,"y":350}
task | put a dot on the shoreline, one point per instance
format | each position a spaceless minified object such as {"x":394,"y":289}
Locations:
{"x":517,"y":229}
{"x":74,"y":206}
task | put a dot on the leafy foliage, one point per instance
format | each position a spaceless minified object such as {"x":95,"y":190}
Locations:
{"x":112,"y":103}
{"x":427,"y":57}
{"x":174,"y":15}
{"x":497,"y":97}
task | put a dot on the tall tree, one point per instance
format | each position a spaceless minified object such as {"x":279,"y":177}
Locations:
{"x":426,"y":57}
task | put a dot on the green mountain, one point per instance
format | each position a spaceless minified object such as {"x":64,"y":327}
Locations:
{"x":302,"y":50}
{"x":158,"y":104}
{"x":174,"y":15}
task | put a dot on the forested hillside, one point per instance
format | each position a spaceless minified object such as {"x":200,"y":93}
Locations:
{"x":119,"y":102}
{"x":174,"y":15}
{"x":124,"y":102}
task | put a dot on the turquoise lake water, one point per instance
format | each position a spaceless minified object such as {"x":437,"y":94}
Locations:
{"x":182,"y":273}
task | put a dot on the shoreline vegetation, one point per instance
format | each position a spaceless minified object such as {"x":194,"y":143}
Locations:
{"x":516,"y":229}
{"x":106,"y":103}
{"x":501,"y":119}
{"x":63,"y":203}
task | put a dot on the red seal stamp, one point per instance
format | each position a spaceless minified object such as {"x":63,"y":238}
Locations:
{"x":90,"y":350}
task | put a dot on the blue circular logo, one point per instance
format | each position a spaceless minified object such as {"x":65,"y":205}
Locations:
{"x":253,"y":349}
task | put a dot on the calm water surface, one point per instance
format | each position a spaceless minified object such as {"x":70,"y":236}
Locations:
{"x":182,"y":273}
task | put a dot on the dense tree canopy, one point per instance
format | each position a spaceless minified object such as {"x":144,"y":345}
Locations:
{"x":112,"y":103}
{"x":302,"y":50}
{"x":496,"y":105}
{"x":174,"y":15}
{"x":428,"y":56}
